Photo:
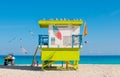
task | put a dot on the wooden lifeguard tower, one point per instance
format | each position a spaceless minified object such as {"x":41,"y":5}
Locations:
{"x":63,"y":42}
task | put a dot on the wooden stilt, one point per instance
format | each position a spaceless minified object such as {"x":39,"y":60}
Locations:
{"x":42,"y":64}
{"x":66,"y":64}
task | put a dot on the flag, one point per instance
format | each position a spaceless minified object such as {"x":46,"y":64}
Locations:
{"x":85,"y":30}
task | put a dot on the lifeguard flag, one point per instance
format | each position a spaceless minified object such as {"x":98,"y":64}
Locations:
{"x":85,"y":30}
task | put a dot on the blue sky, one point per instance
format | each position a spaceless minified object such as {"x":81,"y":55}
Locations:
{"x":19,"y":18}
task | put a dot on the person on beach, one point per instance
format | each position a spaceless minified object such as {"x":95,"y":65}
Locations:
{"x":13,"y":60}
{"x":35,"y":63}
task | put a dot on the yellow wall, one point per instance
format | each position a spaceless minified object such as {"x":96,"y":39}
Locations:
{"x":63,"y":54}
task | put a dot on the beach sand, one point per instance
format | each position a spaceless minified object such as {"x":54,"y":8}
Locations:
{"x":85,"y":70}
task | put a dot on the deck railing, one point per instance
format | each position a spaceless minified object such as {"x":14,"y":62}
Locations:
{"x":44,"y":40}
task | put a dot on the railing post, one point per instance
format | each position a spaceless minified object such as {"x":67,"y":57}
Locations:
{"x":48,"y":41}
{"x":38,"y":39}
{"x":80,"y":39}
{"x":41,"y":41}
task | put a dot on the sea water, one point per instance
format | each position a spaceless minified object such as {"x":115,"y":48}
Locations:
{"x":83,"y":59}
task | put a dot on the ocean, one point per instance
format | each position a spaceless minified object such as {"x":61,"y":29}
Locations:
{"x":83,"y":60}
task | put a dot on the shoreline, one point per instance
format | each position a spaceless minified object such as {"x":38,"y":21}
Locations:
{"x":40,"y":65}
{"x":84,"y":70}
{"x":61,"y":64}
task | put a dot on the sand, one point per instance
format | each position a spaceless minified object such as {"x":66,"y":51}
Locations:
{"x":85,"y":70}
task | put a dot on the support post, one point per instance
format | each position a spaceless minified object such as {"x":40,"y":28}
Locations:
{"x":35,"y":55}
{"x":66,"y":64}
{"x":76,"y":64}
{"x":42,"y":64}
{"x":62,"y":63}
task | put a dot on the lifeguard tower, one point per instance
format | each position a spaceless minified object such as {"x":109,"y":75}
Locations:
{"x":63,"y":42}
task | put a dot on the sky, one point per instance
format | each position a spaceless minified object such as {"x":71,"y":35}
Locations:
{"x":19,"y":27}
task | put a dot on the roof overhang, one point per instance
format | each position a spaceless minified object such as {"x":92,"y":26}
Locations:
{"x":46,"y":23}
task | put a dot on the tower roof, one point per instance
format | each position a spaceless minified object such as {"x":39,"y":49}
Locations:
{"x":46,"y":23}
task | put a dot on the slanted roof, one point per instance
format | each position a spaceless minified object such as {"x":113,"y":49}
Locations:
{"x":46,"y":23}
